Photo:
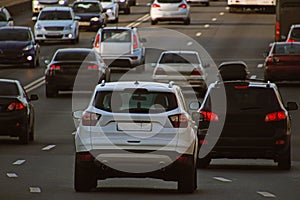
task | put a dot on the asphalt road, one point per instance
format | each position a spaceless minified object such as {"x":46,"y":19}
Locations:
{"x":44,"y":168}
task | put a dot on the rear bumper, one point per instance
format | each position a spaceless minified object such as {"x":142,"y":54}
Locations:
{"x":12,"y":124}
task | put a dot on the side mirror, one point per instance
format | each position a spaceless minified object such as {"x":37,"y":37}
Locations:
{"x":195,"y":105}
{"x":77,"y":114}
{"x":283,"y":37}
{"x":10,"y":19}
{"x":34,"y":18}
{"x":47,"y":62}
{"x":292,"y":106}
{"x":33,"y":97}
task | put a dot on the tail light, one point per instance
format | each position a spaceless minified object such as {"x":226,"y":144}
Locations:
{"x":86,"y":156}
{"x":183,"y":6}
{"x":54,"y":67}
{"x":241,"y":86}
{"x":93,"y":67}
{"x":179,"y":120}
{"x":155,"y":5}
{"x":196,"y":72}
{"x":276,"y":116}
{"x":135,"y":42}
{"x":90,"y":119}
{"x":291,"y":40}
{"x":15,"y":106}
{"x":269,"y":61}
{"x":97,"y":41}
{"x":277,"y":31}
{"x":209,"y":116}
{"x":160,"y":71}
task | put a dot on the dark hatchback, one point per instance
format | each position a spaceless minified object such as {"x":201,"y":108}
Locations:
{"x":18,"y":46}
{"x":77,"y":69}
{"x":16,"y":111}
{"x":91,"y":14}
{"x":245,"y":119}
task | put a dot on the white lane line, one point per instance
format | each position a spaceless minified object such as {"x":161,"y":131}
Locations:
{"x":198,"y":34}
{"x":11,"y":175}
{"x":227,"y":8}
{"x":253,"y":77}
{"x":49,"y":147}
{"x":19,"y":162}
{"x":222,"y":179}
{"x":189,"y":44}
{"x":36,"y":86}
{"x":222,"y":13}
{"x":139,"y":21}
{"x":35,"y":190}
{"x":266,"y":194}
{"x":260,"y":65}
{"x":206,"y":26}
{"x":214,"y":19}
{"x":34,"y":82}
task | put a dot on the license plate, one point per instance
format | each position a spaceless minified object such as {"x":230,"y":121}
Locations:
{"x":134,"y":126}
{"x":84,"y":23}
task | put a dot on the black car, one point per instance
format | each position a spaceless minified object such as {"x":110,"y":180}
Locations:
{"x":77,"y":69}
{"x":124,"y":5}
{"x":91,"y":14}
{"x":241,"y":118}
{"x":16,"y":111}
{"x":18,"y":46}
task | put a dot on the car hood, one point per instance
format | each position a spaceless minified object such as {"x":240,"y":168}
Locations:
{"x":48,"y":1}
{"x":13,"y":44}
{"x":107,"y":4}
{"x":55,"y":22}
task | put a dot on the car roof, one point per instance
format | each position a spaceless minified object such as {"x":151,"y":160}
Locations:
{"x":181,"y":52}
{"x":296,"y":26}
{"x":3,"y":80}
{"x":75,"y":49}
{"x":118,"y":28}
{"x":57,"y":8}
{"x":15,"y":28}
{"x":151,"y":86}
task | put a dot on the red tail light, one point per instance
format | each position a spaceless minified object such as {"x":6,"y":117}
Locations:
{"x":160,"y":71}
{"x":202,"y":142}
{"x":269,"y":61}
{"x":291,"y":40}
{"x":184,"y":6}
{"x":209,"y":116}
{"x":196,"y":72}
{"x":54,"y":67}
{"x":277,"y":31}
{"x":155,"y":5}
{"x":93,"y":67}
{"x":241,"y":86}
{"x":84,"y":157}
{"x":15,"y":106}
{"x":90,"y":119}
{"x":179,"y":121}
{"x":97,"y":41}
{"x":135,"y":42}
{"x":275,"y":116}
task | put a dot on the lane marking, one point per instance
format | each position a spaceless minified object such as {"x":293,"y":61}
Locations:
{"x":198,"y":34}
{"x":253,"y":77}
{"x":49,"y":147}
{"x":222,"y":13}
{"x":189,"y":44}
{"x":260,"y":65}
{"x":266,"y":194}
{"x":11,"y":175}
{"x":35,"y":190}
{"x":139,"y":21}
{"x":222,"y":179}
{"x":34,"y":82}
{"x":19,"y":162}
{"x":206,"y":26}
{"x":214,"y":19}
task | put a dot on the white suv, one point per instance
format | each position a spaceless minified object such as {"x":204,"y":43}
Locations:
{"x":136,"y":129}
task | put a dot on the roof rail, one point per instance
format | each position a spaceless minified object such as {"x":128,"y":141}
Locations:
{"x":102,"y":83}
{"x":171,"y":84}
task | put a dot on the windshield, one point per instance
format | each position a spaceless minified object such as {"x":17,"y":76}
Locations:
{"x":55,"y":15}
{"x":3,"y":17}
{"x":287,"y":49}
{"x":75,"y":56}
{"x":116,"y":36}
{"x":8,"y":89}
{"x":86,"y":8}
{"x":179,"y":58}
{"x":14,"y":35}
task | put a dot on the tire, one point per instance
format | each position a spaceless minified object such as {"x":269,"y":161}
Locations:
{"x":84,"y":177}
{"x":31,"y":133}
{"x":51,"y":92}
{"x":186,"y":183}
{"x":24,"y":136}
{"x":284,"y":160}
{"x":187,"y":21}
{"x":203,"y":163}
{"x":153,"y":22}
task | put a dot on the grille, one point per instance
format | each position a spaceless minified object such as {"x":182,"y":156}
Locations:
{"x":54,"y":28}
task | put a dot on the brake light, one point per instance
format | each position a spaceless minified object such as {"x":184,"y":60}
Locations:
{"x":275,"y":116}
{"x":183,"y":6}
{"x":196,"y":72}
{"x":241,"y":86}
{"x":291,"y":40}
{"x":93,"y":67}
{"x":209,"y":116}
{"x":84,"y":157}
{"x":135,"y":42}
{"x":179,"y":120}
{"x":54,"y":67}
{"x":97,"y":41}
{"x":155,"y":5}
{"x":277,"y":31}
{"x":15,"y":106}
{"x":160,"y":71}
{"x":90,"y":119}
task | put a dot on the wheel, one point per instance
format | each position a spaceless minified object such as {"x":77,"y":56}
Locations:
{"x":51,"y":92}
{"x":284,"y":160}
{"x":203,"y":163}
{"x":84,"y":177}
{"x":24,"y":135}
{"x":187,"y":21}
{"x":186,"y":183}
{"x":153,"y":22}
{"x":31,"y":133}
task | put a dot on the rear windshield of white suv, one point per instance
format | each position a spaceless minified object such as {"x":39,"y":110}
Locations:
{"x":116,"y":36}
{"x":135,"y":101}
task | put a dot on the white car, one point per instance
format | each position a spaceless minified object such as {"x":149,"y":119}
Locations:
{"x":111,"y":7}
{"x":170,"y":10}
{"x":185,"y":68}
{"x":38,"y":5}
{"x":136,"y":129}
{"x":56,"y":24}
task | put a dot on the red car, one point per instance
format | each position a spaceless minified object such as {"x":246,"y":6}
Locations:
{"x":283,"y":62}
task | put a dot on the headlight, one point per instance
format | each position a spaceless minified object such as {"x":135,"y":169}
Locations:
{"x":95,"y":19}
{"x":122,"y":1}
{"x":69,"y":27}
{"x":38,"y":27}
{"x":109,"y":10}
{"x":28,"y":47}
{"x":61,"y":2}
{"x":34,"y":2}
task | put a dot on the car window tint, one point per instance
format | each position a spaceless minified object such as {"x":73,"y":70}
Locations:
{"x":295,"y":33}
{"x":8,"y":89}
{"x":2,"y":17}
{"x":135,"y":102}
{"x":75,"y":56}
{"x":116,"y":36}
{"x":55,"y":15}
{"x":86,"y":7}
{"x":287,"y":49}
{"x":179,"y":58}
{"x":14,"y":35}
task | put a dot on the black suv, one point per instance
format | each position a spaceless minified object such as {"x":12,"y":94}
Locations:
{"x":241,"y":118}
